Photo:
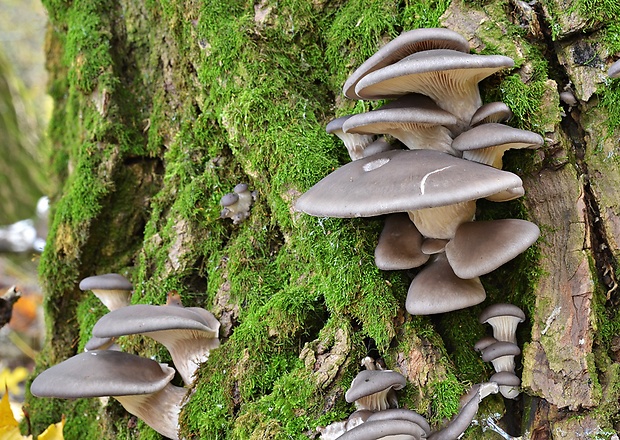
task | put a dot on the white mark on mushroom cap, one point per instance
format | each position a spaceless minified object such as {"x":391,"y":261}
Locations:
{"x":377,"y":163}
{"x":423,"y":181}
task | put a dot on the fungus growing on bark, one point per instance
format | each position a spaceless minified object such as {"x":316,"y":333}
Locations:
{"x":405,"y":44}
{"x":237,"y":204}
{"x":403,"y":414}
{"x":502,"y":355}
{"x":487,"y":143}
{"x":447,"y":76}
{"x":112,"y":289}
{"x":508,"y":382}
{"x":373,"y":389}
{"x":491,"y":112}
{"x":480,"y":247}
{"x":141,"y":385}
{"x":504,"y":318}
{"x":399,"y":245}
{"x":614,"y":70}
{"x":355,"y":143}
{"x":413,"y":119}
{"x":189,"y":333}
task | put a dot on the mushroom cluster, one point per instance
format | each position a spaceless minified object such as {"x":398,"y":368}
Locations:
{"x":501,"y":348}
{"x":448,"y":155}
{"x":236,"y":205}
{"x":141,"y":385}
{"x":378,"y":417}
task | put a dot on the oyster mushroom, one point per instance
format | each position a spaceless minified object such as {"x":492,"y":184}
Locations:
{"x":112,"y":289}
{"x":504,"y":319}
{"x":141,"y":385}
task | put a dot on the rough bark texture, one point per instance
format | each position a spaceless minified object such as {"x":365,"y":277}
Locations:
{"x":162,"y":107}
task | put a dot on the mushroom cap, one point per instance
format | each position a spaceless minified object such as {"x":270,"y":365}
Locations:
{"x":491,"y":112}
{"x":402,"y":414}
{"x":405,"y":44}
{"x":95,"y":343}
{"x":499,"y":349}
{"x":144,"y":318}
{"x":413,"y":119}
{"x":486,"y":143}
{"x":240,"y":188}
{"x":402,"y":180}
{"x":506,"y":378}
{"x":437,"y":290}
{"x":432,"y":246}
{"x":501,"y":309}
{"x":614,"y":70}
{"x":483,"y":343}
{"x":229,"y":199}
{"x":437,"y":72}
{"x":399,"y":244}
{"x":108,"y":281}
{"x":393,"y":429}
{"x":354,"y":142}
{"x":369,"y":382}
{"x":379,"y":145}
{"x":480,"y":247}
{"x":102,"y":373}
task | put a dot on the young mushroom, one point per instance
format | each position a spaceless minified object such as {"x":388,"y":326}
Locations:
{"x":373,"y":389}
{"x":491,"y":112}
{"x":237,"y":204}
{"x":112,"y":289}
{"x":141,"y":385}
{"x":189,"y":333}
{"x":508,"y":382}
{"x":354,"y":142}
{"x":399,"y":245}
{"x":502,"y":355}
{"x":504,"y":318}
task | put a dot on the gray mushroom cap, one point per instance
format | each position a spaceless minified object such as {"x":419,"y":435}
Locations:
{"x":413,"y":119}
{"x":504,"y":318}
{"x":501,"y":354}
{"x":449,"y":77}
{"x":95,"y":343}
{"x":108,"y":281}
{"x":402,"y":180}
{"x":432,"y":246}
{"x":405,"y":44}
{"x":371,"y":382}
{"x":491,"y":112}
{"x":481,"y":247}
{"x":402,"y":414}
{"x":487,"y":143}
{"x":614,"y":70}
{"x":102,"y":373}
{"x":508,"y":382}
{"x":240,"y":188}
{"x":229,"y":199}
{"x":354,"y":142}
{"x":393,"y":429}
{"x":399,"y":244}
{"x":437,"y":290}
{"x":483,"y":343}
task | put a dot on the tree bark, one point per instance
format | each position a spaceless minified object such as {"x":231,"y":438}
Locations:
{"x":163,"y":107}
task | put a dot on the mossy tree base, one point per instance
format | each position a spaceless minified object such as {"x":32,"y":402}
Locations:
{"x":162,"y":107}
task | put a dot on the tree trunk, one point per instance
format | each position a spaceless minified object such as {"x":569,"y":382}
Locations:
{"x":163,"y":107}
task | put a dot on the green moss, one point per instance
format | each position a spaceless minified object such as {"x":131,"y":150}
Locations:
{"x":599,"y":10}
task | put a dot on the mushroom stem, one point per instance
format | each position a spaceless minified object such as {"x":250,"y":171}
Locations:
{"x":443,"y":221}
{"x":159,"y":410}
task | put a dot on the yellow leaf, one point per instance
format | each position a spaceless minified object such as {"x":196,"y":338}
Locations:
{"x":12,"y":378}
{"x":13,"y":433}
{"x":7,"y":419}
{"x":53,"y":432}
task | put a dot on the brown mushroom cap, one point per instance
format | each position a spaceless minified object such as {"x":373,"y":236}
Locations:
{"x":491,"y":112}
{"x":402,"y":180}
{"x":614,"y":70}
{"x":504,"y":319}
{"x":449,"y":77}
{"x":437,"y":290}
{"x":405,"y":44}
{"x":487,"y":143}
{"x":399,"y":244}
{"x":370,"y":388}
{"x":413,"y":119}
{"x":432,"y":246}
{"x":112,"y":289}
{"x":188,"y":334}
{"x":481,"y":247}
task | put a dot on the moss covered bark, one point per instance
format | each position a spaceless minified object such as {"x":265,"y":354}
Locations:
{"x":162,"y":107}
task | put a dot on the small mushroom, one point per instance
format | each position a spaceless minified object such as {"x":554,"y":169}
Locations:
{"x":355,"y":143}
{"x":374,"y":389}
{"x":508,"y":382}
{"x":399,"y":244}
{"x":614,"y":70}
{"x":141,"y":385}
{"x":237,"y":204}
{"x":189,"y":333}
{"x":487,"y":143}
{"x":504,"y":318}
{"x":112,"y":289}
{"x":491,"y":112}
{"x":432,"y":246}
{"x":483,"y":343}
{"x":405,"y":44}
{"x":480,"y":247}
{"x":436,"y":289}
{"x":502,"y":355}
